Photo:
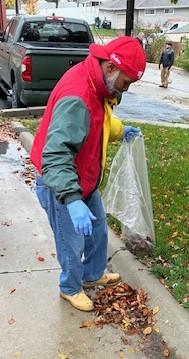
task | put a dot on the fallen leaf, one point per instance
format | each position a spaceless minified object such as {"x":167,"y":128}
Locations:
{"x":147,"y":331}
{"x":155,"y":310}
{"x":6,"y":223}
{"x":131,"y":350}
{"x":62,"y":356}
{"x":162,"y":217}
{"x":17,"y":354}
{"x":40,"y":259}
{"x":126,"y":323}
{"x":121,"y":355}
{"x":175,"y":234}
{"x":11,"y":320}
{"x":87,"y":324}
{"x":12,"y":290}
{"x":157,"y":330}
{"x":166,"y":352}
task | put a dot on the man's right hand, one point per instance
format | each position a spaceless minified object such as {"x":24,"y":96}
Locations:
{"x":81,"y":217}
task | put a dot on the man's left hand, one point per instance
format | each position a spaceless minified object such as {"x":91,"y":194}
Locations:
{"x":130,"y":132}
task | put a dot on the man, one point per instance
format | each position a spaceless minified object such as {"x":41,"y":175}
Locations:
{"x":69,"y":152}
{"x":140,"y":37}
{"x":165,"y":63}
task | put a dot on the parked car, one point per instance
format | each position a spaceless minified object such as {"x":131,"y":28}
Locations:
{"x":171,"y":25}
{"x":35,"y":51}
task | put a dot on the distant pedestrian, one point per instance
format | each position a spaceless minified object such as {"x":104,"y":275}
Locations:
{"x":165,"y":63}
{"x":140,"y":37}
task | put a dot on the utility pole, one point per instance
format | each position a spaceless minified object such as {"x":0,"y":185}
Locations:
{"x":129,"y":17}
{"x":2,"y":15}
{"x":16,"y":7}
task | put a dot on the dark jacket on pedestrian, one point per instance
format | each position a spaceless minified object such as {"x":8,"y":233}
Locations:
{"x":167,"y":58}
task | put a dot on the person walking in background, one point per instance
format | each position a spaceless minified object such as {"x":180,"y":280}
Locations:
{"x":69,"y":153}
{"x":140,"y":37}
{"x":165,"y":63}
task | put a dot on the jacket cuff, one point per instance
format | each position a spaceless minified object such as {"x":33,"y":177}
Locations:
{"x":72,"y":197}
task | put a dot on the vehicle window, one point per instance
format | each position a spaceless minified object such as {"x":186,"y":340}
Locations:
{"x":55,"y":31}
{"x":12,"y":31}
{"x":174,"y":27}
{"x":7,"y":30}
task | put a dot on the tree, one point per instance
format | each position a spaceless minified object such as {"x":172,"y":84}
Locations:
{"x":10,"y":4}
{"x":174,"y":1}
{"x":31,"y":7}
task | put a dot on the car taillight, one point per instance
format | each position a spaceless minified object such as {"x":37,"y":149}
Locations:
{"x":26,"y":68}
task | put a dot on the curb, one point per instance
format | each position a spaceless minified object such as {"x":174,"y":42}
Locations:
{"x":173,"y":320}
{"x":24,"y":136}
{"x":160,"y":123}
{"x":22,"y":112}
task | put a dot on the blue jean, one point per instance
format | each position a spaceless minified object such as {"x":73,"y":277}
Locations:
{"x":82,"y":258}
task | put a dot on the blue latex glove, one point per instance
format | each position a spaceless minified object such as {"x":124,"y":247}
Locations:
{"x":130,"y":132}
{"x":81,"y":217}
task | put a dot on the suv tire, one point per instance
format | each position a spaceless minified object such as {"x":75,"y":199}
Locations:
{"x":16,"y":103}
{"x":3,"y":95}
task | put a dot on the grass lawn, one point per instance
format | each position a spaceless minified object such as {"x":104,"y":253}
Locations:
{"x":103,"y":32}
{"x":167,"y":151}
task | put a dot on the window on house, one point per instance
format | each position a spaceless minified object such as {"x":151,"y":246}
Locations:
{"x":149,"y":11}
{"x":169,"y":11}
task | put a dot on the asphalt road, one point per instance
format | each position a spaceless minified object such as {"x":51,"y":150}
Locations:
{"x":138,"y":106}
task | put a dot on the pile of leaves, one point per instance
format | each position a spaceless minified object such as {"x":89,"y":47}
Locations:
{"x":6,"y":131}
{"x":29,"y":172}
{"x":125,"y":307}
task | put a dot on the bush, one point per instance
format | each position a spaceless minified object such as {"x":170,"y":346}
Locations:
{"x":183,"y":59}
{"x":154,"y":49}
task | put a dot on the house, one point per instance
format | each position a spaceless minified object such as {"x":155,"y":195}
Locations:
{"x":148,"y":13}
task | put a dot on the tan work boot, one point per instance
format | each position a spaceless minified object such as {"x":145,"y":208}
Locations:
{"x":79,"y":301}
{"x":107,"y":280}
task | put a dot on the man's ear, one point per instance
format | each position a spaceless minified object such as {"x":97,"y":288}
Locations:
{"x":111,"y":67}
{"x":108,"y":67}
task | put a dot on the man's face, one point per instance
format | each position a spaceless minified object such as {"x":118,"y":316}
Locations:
{"x":117,"y":82}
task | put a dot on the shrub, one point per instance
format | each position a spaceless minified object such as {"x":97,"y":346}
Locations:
{"x":183,"y":59}
{"x":154,"y":49}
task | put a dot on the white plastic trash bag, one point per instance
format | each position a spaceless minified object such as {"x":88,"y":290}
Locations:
{"x":127,"y":196}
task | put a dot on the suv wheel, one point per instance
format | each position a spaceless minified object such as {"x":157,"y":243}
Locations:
{"x":16,"y":103}
{"x":2,"y":94}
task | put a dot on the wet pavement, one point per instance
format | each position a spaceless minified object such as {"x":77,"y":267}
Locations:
{"x":137,"y":106}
